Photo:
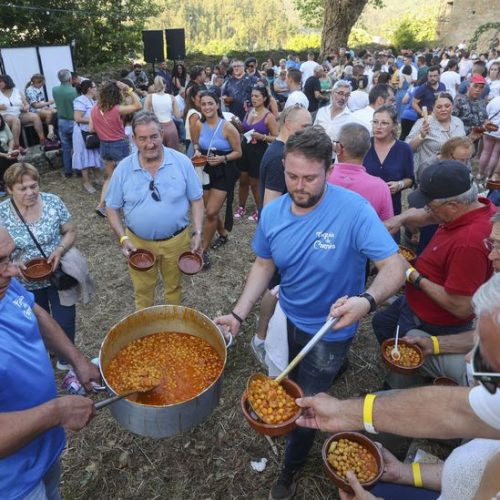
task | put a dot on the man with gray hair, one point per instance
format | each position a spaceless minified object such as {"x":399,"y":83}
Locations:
{"x":332,"y":117}
{"x":454,"y":264}
{"x":155,"y":188}
{"x":64,"y":95}
{"x":351,"y":148}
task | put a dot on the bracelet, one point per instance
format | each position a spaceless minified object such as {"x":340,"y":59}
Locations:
{"x":235,"y":316}
{"x":123,"y":238}
{"x":417,"y":281}
{"x":62,"y":246}
{"x":417,"y":475}
{"x":408,"y":273}
{"x":368,"y":413}
{"x":435,"y":345}
{"x":401,"y":185}
{"x":370,"y":299}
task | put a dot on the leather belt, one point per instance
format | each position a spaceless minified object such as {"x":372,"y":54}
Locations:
{"x":179,"y":231}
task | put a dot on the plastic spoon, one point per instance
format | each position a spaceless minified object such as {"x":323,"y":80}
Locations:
{"x":395,"y":354}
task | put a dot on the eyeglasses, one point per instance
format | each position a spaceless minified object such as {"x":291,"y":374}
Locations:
{"x":14,"y":259}
{"x":491,"y":245}
{"x":482,"y":372}
{"x":376,"y":123}
{"x":155,"y":194}
{"x":429,"y":209}
{"x":250,"y":66}
{"x":342,"y":94}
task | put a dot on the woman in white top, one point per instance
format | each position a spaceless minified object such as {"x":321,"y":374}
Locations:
{"x":489,"y":163}
{"x":493,"y":80}
{"x":164,"y":105}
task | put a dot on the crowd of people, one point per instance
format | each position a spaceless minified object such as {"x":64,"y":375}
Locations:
{"x":344,"y":159}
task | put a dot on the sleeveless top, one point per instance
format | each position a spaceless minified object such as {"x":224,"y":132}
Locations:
{"x":109,"y":125}
{"x":259,"y":126}
{"x":213,"y":138}
{"x":162,"y":107}
{"x":13,"y":104}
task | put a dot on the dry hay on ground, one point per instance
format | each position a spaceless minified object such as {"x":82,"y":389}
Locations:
{"x":212,"y":461}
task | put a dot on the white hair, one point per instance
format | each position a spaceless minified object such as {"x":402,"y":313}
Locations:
{"x":487,"y":297}
{"x":467,"y":198}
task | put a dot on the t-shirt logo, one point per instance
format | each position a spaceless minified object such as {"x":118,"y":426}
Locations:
{"x":25,"y":308}
{"x":324,"y":241}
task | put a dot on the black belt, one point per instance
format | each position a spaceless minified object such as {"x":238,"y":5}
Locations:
{"x":179,"y":231}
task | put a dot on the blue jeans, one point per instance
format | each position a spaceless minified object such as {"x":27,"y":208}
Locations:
{"x":315,"y":373}
{"x":181,"y":129}
{"x":48,"y":298}
{"x":391,"y":491}
{"x":65,"y":128}
{"x":399,"y":313}
{"x":48,"y":487}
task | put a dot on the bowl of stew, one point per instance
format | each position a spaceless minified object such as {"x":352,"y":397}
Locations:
{"x":412,"y":357}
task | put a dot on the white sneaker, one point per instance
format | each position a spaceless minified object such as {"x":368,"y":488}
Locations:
{"x":63,"y":366}
{"x":258,"y":349}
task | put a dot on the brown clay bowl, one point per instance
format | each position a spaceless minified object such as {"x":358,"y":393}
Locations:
{"x":273,"y":429}
{"x":142,"y":259}
{"x":444,"y":381}
{"x":387,"y":359}
{"x":37,"y":270}
{"x":491,"y":127}
{"x":492,"y":185}
{"x":199,"y":161}
{"x":358,"y":438}
{"x":407,"y":253}
{"x":190,"y":263}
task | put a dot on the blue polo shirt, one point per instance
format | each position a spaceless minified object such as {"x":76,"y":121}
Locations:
{"x":177,"y":184}
{"x":321,"y":255}
{"x":427,"y":95}
{"x":26,"y":381}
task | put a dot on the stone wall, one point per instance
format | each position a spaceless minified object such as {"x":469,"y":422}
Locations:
{"x":459,"y":19}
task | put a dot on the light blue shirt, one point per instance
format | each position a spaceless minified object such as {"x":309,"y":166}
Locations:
{"x":321,"y":255}
{"x":177,"y":184}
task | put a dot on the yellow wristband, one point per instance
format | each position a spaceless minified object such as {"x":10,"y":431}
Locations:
{"x":123,"y":238}
{"x":368,"y":413}
{"x":408,"y":272}
{"x":435,"y":345}
{"x":417,"y":475}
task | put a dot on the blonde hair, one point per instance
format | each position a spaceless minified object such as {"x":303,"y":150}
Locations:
{"x":158,"y":84}
{"x":450,"y":146}
{"x":15,"y":173}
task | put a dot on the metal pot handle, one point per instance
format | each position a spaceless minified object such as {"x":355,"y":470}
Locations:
{"x":227,"y":336}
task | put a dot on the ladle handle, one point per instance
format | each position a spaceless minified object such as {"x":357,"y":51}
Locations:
{"x":305,"y":350}
{"x":111,"y":400}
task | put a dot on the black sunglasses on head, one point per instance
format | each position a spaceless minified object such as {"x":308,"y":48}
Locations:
{"x":155,"y":194}
{"x":483,"y":373}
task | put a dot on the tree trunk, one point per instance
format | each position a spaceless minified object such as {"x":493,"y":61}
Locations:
{"x":340,"y":17}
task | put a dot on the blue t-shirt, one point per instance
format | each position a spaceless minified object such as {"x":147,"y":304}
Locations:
{"x":398,"y":165}
{"x":175,"y":180}
{"x":426,"y":95}
{"x":321,"y":255}
{"x":26,"y":381}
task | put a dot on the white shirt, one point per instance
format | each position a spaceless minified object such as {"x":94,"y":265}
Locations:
{"x":493,"y":110}
{"x":357,"y":100}
{"x":450,"y":79}
{"x":486,"y":406}
{"x":332,"y":126}
{"x":307,"y":69}
{"x":365,"y":117}
{"x":297,"y":97}
{"x":464,"y":67}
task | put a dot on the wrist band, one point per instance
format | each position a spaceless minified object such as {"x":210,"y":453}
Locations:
{"x":401,"y":185}
{"x":417,"y":475}
{"x":370,"y":299}
{"x":408,"y":273}
{"x":417,"y":281}
{"x":435,"y":345}
{"x":240,"y":320}
{"x":123,"y":238}
{"x":368,"y":413}
{"x":62,"y":246}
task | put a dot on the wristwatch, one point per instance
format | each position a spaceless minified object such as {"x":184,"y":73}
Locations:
{"x":370,"y":299}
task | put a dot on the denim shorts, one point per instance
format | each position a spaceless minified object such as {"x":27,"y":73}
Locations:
{"x":114,"y":150}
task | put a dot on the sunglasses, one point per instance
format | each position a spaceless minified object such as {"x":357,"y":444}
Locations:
{"x":155,"y":194}
{"x":483,"y":373}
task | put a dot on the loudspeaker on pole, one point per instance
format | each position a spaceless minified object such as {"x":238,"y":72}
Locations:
{"x":154,"y":51}
{"x":176,"y":44}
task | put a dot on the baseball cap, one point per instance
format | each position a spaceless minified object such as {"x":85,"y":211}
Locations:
{"x":443,"y":179}
{"x":478,"y":79}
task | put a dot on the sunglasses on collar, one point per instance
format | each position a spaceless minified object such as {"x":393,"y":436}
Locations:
{"x":483,"y":373}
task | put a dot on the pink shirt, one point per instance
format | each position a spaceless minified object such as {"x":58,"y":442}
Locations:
{"x":373,"y":189}
{"x":108,"y":126}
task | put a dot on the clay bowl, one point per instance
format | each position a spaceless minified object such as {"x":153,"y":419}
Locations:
{"x":142,"y":259}
{"x":199,"y":161}
{"x":407,"y":253}
{"x":491,"y":127}
{"x":37,"y":270}
{"x":273,"y":429}
{"x":444,"y":381}
{"x":190,"y":263}
{"x":358,"y":438}
{"x":387,"y":359}
{"x":492,"y":185}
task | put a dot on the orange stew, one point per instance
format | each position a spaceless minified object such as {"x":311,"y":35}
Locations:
{"x":408,"y":254}
{"x":345,"y":455}
{"x":409,"y":356}
{"x":271,"y":402}
{"x":183,"y":365}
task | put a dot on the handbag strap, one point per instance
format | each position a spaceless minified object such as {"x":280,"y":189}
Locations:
{"x":28,"y":229}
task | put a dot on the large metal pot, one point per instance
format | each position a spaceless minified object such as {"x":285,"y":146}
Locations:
{"x":163,"y":421}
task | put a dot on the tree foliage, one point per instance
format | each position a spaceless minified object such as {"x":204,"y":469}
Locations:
{"x":103,"y":30}
{"x":412,"y":30}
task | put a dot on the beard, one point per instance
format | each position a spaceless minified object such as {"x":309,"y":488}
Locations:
{"x":310,"y":201}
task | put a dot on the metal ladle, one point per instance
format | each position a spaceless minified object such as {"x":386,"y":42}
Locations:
{"x":111,"y":400}
{"x":330,"y":323}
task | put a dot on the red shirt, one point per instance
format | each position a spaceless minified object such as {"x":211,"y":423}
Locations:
{"x":109,"y":125}
{"x":456,"y":259}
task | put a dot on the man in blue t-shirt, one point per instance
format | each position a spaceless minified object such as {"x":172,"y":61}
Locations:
{"x":319,"y":237}
{"x":425,"y":95}
{"x":32,"y":417}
